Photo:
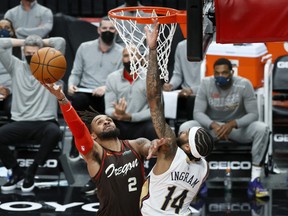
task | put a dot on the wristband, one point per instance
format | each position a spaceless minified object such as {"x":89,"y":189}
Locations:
{"x":61,"y":100}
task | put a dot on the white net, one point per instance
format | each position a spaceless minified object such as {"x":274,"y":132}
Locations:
{"x":133,"y":35}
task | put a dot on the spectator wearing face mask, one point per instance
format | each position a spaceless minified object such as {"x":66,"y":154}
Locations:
{"x":32,"y":105}
{"x":6,"y":31}
{"x":226,"y":106}
{"x":94,"y":61}
{"x":30,"y":18}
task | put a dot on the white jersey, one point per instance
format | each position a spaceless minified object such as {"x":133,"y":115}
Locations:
{"x":172,"y":192}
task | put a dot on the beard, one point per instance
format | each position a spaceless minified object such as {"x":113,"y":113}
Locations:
{"x":109,"y":134}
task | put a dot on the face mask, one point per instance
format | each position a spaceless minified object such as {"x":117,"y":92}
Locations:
{"x":223,"y":81}
{"x":127,"y":66}
{"x":28,"y":58}
{"x":4,"y":33}
{"x":107,"y":37}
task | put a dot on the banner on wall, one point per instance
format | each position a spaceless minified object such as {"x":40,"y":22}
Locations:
{"x":251,"y":21}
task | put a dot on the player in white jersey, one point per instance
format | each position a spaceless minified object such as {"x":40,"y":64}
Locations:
{"x":180,"y":168}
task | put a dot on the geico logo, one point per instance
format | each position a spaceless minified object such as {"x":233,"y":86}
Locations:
{"x":234,"y":207}
{"x":280,"y":137}
{"x":282,"y":64}
{"x":32,"y":206}
{"x":50,"y":163}
{"x":234,"y":165}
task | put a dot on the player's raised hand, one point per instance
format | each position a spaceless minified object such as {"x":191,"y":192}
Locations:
{"x":54,"y":89}
{"x":151,"y":37}
{"x":155,"y":145}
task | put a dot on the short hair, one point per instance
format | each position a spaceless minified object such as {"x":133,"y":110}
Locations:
{"x":223,"y":61}
{"x":11,"y":25}
{"x":105,"y":18}
{"x":34,"y":40}
{"x":88,"y":116}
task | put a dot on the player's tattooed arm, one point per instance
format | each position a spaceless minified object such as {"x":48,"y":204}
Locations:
{"x":154,"y":91}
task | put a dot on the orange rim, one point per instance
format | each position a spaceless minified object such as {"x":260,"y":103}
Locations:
{"x":175,"y":16}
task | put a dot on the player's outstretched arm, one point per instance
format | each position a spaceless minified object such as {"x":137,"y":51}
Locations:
{"x":84,"y":142}
{"x":154,"y":93}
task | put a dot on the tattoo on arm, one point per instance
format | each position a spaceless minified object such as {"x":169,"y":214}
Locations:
{"x":154,"y":92}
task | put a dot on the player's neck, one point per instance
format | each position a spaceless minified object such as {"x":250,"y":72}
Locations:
{"x":111,"y":144}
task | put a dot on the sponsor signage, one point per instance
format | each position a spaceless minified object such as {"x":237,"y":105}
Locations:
{"x":239,"y":163}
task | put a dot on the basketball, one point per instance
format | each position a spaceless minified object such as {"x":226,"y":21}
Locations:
{"x":48,"y":65}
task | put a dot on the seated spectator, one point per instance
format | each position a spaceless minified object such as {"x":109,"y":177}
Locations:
{"x":30,"y":18}
{"x":32,"y":105}
{"x":6,"y":31}
{"x":126,"y":103}
{"x":94,"y":61}
{"x":226,"y":105}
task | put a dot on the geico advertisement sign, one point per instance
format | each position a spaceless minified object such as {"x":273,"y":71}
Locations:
{"x":232,"y":207}
{"x":280,"y":137}
{"x":33,"y":206}
{"x":234,"y":165}
{"x":50,"y":163}
{"x":282,"y":64}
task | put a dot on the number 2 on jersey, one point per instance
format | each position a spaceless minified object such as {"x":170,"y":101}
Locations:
{"x":132,"y":184}
{"x":177,"y":202}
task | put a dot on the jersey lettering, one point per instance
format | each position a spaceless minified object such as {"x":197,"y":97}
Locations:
{"x":122,"y":169}
{"x":184,"y":176}
{"x":177,"y":202}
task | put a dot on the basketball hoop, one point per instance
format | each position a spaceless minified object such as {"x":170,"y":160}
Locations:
{"x":130,"y":23}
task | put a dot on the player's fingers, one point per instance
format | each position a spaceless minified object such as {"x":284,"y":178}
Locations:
{"x":146,"y":30}
{"x":45,"y":85}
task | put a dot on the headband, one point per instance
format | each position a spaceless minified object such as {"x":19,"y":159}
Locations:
{"x":192,"y":144}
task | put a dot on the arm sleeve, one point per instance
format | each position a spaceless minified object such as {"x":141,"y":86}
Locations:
{"x":42,"y":30}
{"x":84,"y":142}
{"x":200,"y":107}
{"x":250,"y":105}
